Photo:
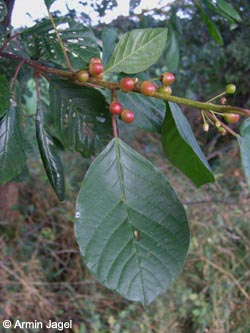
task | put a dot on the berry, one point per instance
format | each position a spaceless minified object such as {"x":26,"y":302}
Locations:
{"x":231,"y":118}
{"x":147,"y":88}
{"x":127,"y":84}
{"x":165,"y":89}
{"x":230,"y":88}
{"x":95,"y":61}
{"x":82,"y":75}
{"x":95,"y":68}
{"x":127,"y":116}
{"x":115,"y":108}
{"x":222,"y":131}
{"x":167,"y":78}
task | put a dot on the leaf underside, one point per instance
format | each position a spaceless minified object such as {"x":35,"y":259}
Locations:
{"x":181,"y":147}
{"x":136,"y":238}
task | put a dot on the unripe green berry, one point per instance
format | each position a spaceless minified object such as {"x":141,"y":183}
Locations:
{"x":82,"y":75}
{"x":165,"y":89}
{"x":230,"y":88}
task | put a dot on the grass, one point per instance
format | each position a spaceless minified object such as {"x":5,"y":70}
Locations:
{"x":42,"y":276}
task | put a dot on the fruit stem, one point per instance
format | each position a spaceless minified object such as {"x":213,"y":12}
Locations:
{"x":19,"y":66}
{"x":114,"y":125}
{"x":215,"y":97}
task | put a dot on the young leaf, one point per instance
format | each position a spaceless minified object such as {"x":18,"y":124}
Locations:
{"x":244,"y":143}
{"x":80,"y":117}
{"x":149,"y":112}
{"x":50,"y":158}
{"x":181,"y":147}
{"x":12,"y":155}
{"x":136,"y":239}
{"x":228,"y":10}
{"x":137,"y":50}
{"x":4,"y":95}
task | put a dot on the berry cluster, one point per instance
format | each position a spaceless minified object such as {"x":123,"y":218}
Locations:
{"x":167,"y":80}
{"x":125,"y":114}
{"x":95,"y":70}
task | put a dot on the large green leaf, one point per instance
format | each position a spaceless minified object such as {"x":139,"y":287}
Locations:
{"x":228,"y":9}
{"x":50,"y":158}
{"x":149,"y":112}
{"x":137,"y":50}
{"x":172,"y":51}
{"x":244,"y":143}
{"x":79,"y":41}
{"x":109,"y":38}
{"x":181,"y":147}
{"x":130,"y":226}
{"x":12,"y":155}
{"x":4,"y":95}
{"x":80,"y":117}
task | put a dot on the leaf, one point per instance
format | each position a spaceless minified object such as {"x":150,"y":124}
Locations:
{"x":80,"y":117}
{"x":228,"y":9}
{"x":3,"y":10}
{"x":48,"y":3}
{"x":50,"y":158}
{"x":137,"y":50}
{"x":181,"y":147}
{"x":4,"y":95}
{"x":79,"y":41}
{"x":149,"y":112}
{"x":130,"y":226}
{"x":172,"y":51}
{"x":109,"y":38}
{"x":244,"y":143}
{"x":12,"y":154}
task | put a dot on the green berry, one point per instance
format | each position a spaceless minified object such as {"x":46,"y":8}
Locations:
{"x":82,"y":75}
{"x":230,"y":88}
{"x":165,"y":89}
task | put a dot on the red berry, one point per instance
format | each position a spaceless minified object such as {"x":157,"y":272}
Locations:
{"x":95,"y":61}
{"x":127,"y":116}
{"x":147,"y":88}
{"x":82,"y":75}
{"x":95,"y":68}
{"x":127,"y":84}
{"x":231,"y":118}
{"x":115,"y":108}
{"x":165,"y":89}
{"x":167,"y":78}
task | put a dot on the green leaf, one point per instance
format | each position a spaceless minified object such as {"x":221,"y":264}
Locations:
{"x":4,"y":95}
{"x":3,"y":10}
{"x":137,"y":50}
{"x":131,"y":228}
{"x":79,"y":41}
{"x":149,"y":112}
{"x":244,"y":143}
{"x":172,"y":51}
{"x":228,"y":9}
{"x":48,"y":3}
{"x":181,"y":147}
{"x":109,"y":38}
{"x":80,"y":117}
{"x":50,"y":158}
{"x":12,"y":155}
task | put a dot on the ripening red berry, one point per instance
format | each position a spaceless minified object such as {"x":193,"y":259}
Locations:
{"x":167,"y":78}
{"x":95,"y":68}
{"x":115,"y":108}
{"x":82,"y":75}
{"x":127,"y":116}
{"x":147,"y":88}
{"x":95,"y":61}
{"x":231,"y":118}
{"x":127,"y":84}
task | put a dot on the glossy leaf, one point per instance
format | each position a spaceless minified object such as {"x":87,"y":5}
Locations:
{"x":4,"y":95}
{"x":50,"y":158}
{"x":12,"y":152}
{"x":137,"y":50}
{"x":244,"y":143}
{"x":109,"y":38}
{"x":172,"y":51}
{"x":228,"y":9}
{"x":136,"y":238}
{"x":78,"y":40}
{"x":3,"y":10}
{"x":181,"y":147}
{"x":80,"y":117}
{"x":149,"y":112}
